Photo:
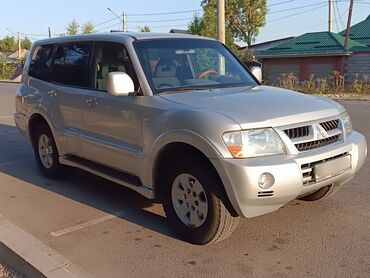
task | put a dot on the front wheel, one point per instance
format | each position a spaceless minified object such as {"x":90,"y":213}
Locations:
{"x":194,"y":204}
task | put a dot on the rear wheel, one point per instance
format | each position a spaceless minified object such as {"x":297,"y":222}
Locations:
{"x":320,"y":194}
{"x":46,"y":152}
{"x":194,"y":203}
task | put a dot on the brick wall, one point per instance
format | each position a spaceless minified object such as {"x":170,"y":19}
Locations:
{"x":302,"y":67}
{"x":357,"y":64}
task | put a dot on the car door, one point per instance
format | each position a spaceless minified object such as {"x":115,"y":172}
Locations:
{"x":112,"y":124}
{"x":59,"y":72}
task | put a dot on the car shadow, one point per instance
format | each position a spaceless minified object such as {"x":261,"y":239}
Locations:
{"x":80,"y":186}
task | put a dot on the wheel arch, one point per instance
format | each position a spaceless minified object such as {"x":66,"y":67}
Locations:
{"x":164,"y":158}
{"x":33,"y":122}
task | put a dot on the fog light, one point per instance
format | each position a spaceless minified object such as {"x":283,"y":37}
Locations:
{"x":266,"y":180}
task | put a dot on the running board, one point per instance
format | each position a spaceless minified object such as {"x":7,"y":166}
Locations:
{"x":108,"y":173}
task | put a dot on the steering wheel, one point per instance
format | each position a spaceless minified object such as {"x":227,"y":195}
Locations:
{"x":207,"y":72}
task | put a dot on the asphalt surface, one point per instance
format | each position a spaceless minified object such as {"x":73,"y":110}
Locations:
{"x":109,"y":231}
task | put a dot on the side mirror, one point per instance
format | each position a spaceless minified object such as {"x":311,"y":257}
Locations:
{"x":257,"y":72}
{"x":120,"y":84}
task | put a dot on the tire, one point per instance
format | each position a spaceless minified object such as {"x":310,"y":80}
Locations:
{"x":320,"y":194}
{"x":46,"y":152}
{"x":205,"y":219}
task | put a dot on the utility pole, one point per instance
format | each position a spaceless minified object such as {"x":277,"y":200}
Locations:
{"x":124,"y":29}
{"x":49,"y":32}
{"x":221,"y":20}
{"x":19,"y":46}
{"x":221,"y":32}
{"x":330,"y":22}
{"x":348,"y":24}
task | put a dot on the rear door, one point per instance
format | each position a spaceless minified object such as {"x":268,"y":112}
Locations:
{"x":69,"y":79}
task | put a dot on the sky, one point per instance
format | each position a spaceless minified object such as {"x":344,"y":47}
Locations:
{"x":285,"y":17}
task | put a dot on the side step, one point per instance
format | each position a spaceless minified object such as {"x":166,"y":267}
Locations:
{"x":108,"y":173}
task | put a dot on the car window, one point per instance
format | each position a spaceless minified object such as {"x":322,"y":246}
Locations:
{"x":71,"y":65}
{"x":173,"y":65}
{"x":111,"y":57}
{"x":41,"y":62}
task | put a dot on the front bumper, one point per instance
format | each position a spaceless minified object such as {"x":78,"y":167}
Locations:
{"x":240,"y":176}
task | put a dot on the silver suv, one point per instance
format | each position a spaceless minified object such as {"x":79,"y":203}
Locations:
{"x":179,"y":118}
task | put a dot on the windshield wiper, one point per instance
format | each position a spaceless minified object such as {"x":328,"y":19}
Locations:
{"x":183,"y":89}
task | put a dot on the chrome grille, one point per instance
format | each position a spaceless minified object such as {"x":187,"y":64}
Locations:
{"x":315,"y":135}
{"x":317,"y":143}
{"x":330,"y":125}
{"x":297,"y":132}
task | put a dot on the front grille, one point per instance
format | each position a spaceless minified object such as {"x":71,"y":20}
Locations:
{"x":315,"y":135}
{"x":308,"y":175}
{"x":297,"y":132}
{"x":317,"y":143}
{"x":330,"y":125}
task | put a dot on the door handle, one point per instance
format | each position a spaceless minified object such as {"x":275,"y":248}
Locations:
{"x":52,"y":93}
{"x":91,"y":102}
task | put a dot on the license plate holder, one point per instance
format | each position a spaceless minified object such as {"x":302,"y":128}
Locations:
{"x":332,"y":168}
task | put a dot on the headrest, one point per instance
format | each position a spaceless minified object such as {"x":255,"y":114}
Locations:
{"x":104,"y":69}
{"x":165,"y":68}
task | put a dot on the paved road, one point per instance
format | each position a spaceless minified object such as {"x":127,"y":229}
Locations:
{"x":120,"y":234}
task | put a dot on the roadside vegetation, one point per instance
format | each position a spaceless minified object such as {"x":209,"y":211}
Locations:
{"x":6,"y":70}
{"x":244,"y":20}
{"x":333,"y":84}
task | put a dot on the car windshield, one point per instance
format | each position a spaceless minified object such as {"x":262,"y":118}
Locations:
{"x":174,"y":65}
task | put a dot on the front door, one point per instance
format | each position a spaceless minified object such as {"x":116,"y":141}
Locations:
{"x":112,"y":124}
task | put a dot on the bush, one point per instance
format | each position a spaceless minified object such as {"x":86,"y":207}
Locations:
{"x":332,"y":84}
{"x":6,"y":70}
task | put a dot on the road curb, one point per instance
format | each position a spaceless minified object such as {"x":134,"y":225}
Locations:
{"x":15,"y":261}
{"x":28,"y":255}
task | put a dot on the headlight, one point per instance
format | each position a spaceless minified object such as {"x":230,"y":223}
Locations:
{"x":347,"y":124}
{"x":252,"y":143}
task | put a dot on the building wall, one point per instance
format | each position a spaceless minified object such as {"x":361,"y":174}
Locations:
{"x":302,"y":68}
{"x":357,"y":66}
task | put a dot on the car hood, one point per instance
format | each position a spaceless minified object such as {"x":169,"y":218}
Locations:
{"x":260,"y":106}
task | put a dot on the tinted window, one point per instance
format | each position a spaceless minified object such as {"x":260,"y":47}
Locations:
{"x":41,"y":62}
{"x":110,"y":57}
{"x":72,"y":65}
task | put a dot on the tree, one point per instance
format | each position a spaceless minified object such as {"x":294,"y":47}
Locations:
{"x":207,"y":25}
{"x":72,"y":28}
{"x":244,"y":18}
{"x":9,"y":43}
{"x":196,"y":26}
{"x":145,"y":28}
{"x":26,"y":43}
{"x":88,"y":28}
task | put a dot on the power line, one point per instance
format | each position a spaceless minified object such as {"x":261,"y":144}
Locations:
{"x":280,"y":3}
{"x":167,"y":13}
{"x":340,"y":17}
{"x":108,"y":27}
{"x":168,"y":26}
{"x":303,"y":12}
{"x":297,"y":8}
{"x":153,"y":21}
{"x":336,"y":18}
{"x":107,"y":21}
